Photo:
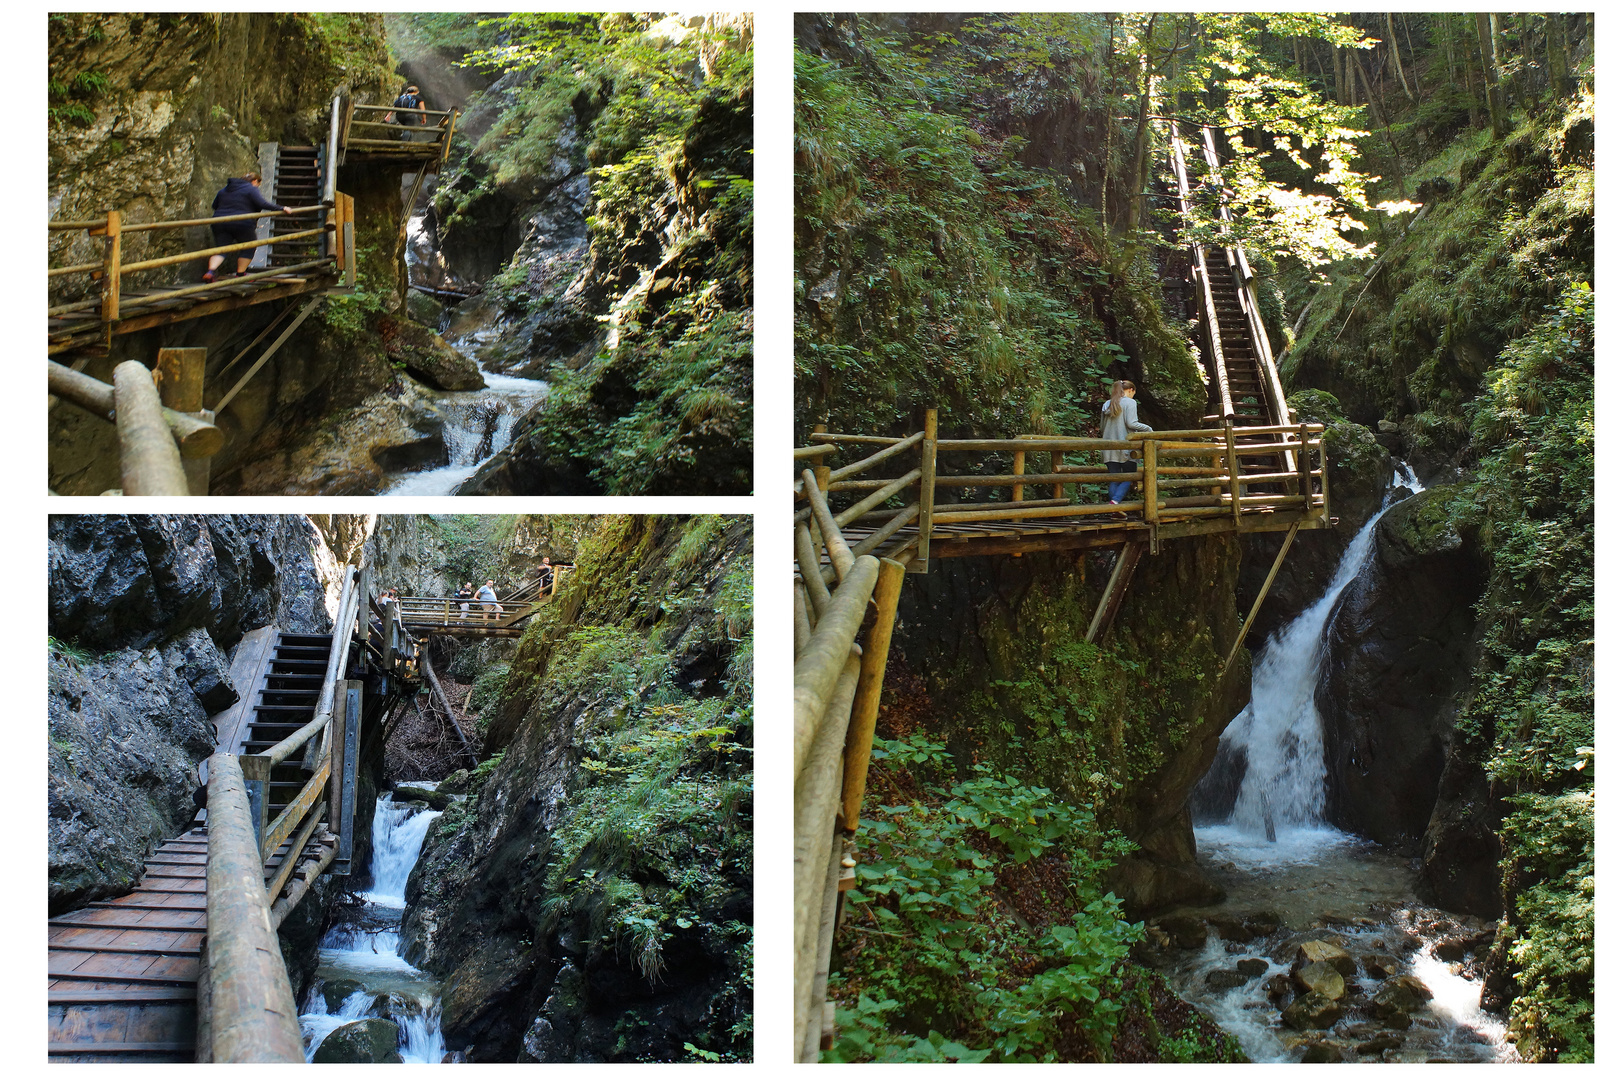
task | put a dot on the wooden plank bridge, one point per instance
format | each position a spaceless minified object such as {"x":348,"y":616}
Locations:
{"x":911,"y":499}
{"x":187,"y":967}
{"x":480,"y":618}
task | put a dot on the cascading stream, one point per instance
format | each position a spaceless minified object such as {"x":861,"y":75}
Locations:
{"x":1284,"y":868}
{"x":477,"y":423}
{"x":360,"y":958}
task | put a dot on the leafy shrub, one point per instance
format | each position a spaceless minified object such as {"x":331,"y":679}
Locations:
{"x":935,"y":953}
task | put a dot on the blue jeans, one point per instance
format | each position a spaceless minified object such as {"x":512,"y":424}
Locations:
{"x":1120,"y":488}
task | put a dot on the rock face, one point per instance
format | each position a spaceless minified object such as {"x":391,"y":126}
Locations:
{"x":142,"y":608}
{"x":1398,"y":654}
{"x":566,"y":923}
{"x":1001,"y":641}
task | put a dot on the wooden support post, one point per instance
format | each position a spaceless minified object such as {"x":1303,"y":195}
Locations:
{"x":1057,"y":460}
{"x":1232,"y":475}
{"x":925,"y":497}
{"x":255,"y":770}
{"x":112,"y":261}
{"x":348,"y":241}
{"x":863,"y":714}
{"x":1258,"y":600}
{"x":179,"y":379}
{"x":1302,"y":461}
{"x":1150,"y":490}
{"x":345,"y":781}
{"x":1114,"y":594}
{"x":148,"y":458}
{"x":1018,"y":470}
{"x":1321,"y":453}
{"x":334,"y":787}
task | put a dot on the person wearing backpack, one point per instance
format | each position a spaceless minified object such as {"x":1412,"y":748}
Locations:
{"x":410,"y":102}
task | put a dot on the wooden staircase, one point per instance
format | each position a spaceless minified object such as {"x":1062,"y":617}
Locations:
{"x":296,"y":181}
{"x":1245,"y":374}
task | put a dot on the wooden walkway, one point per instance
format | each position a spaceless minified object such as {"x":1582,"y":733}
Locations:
{"x":122,"y":977}
{"x":125,"y":978}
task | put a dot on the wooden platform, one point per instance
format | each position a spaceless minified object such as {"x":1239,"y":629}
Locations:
{"x":122,"y":982}
{"x":142,"y":309}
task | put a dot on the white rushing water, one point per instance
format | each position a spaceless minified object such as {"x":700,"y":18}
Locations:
{"x":1277,"y":819}
{"x":365,"y":952}
{"x":1275,"y":854}
{"x":477,"y":423}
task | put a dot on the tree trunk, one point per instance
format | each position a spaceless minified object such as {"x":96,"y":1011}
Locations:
{"x":1139,"y":151}
{"x":1417,"y":87}
{"x":1395,"y":55}
{"x":1382,"y":119}
{"x":1504,"y":86}
{"x":1493,"y":103}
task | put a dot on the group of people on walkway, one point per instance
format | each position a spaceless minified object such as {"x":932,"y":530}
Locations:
{"x":490,"y":609}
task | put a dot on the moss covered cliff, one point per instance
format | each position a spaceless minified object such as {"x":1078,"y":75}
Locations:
{"x":593,"y":900}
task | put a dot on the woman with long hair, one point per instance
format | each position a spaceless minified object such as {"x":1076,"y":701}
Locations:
{"x":1118,"y":421}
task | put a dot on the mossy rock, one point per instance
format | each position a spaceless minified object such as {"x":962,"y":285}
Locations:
{"x":436,"y":800}
{"x":364,"y":1042}
{"x":459,"y":782}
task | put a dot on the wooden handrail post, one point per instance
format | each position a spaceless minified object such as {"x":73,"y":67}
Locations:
{"x":255,"y":770}
{"x":180,"y":386}
{"x":148,"y":458}
{"x":925,"y":492}
{"x":863,"y":714}
{"x":112,"y":270}
{"x":1150,"y":481}
{"x":1018,"y":470}
{"x":1232,"y":474}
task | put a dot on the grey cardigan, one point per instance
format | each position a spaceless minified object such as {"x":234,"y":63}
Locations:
{"x":1117,"y":428}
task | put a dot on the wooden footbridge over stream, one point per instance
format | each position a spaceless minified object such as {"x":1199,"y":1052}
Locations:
{"x":915,"y":498}
{"x":306,"y":255}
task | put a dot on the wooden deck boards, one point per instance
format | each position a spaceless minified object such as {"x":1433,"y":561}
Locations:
{"x":121,"y":980}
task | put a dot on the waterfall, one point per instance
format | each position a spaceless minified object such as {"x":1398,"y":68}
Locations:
{"x":1277,"y":815}
{"x":363,"y":952}
{"x":396,"y":842}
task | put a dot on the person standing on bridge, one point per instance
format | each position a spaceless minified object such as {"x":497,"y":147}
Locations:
{"x":240,"y":195}
{"x":487,"y":594}
{"x":1118,"y":421}
{"x":546,"y":573}
{"x":465,"y":595}
{"x":410,"y":110}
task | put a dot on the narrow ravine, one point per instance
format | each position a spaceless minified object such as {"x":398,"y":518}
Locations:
{"x":361,"y":976}
{"x":477,"y":423}
{"x":1297,"y":888}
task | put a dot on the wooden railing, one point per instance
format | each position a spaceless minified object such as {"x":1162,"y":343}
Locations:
{"x":446,"y":611}
{"x":362,"y":127}
{"x":836,"y":685}
{"x":1186,"y":476}
{"x":246,"y":1013}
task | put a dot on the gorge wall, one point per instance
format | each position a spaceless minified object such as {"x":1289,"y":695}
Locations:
{"x":592,"y":899}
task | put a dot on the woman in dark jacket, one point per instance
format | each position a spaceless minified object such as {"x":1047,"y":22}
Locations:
{"x":240,"y":195}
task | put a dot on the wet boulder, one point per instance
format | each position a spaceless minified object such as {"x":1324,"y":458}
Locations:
{"x":1322,"y":1053}
{"x":1222,"y":979}
{"x":1279,"y":988}
{"x":430,"y":798}
{"x":427,"y":356}
{"x":1252,"y":968}
{"x":457,"y":783}
{"x":1380,"y":1044}
{"x":337,"y":991}
{"x":364,"y":1042}
{"x":1320,"y":978}
{"x":1313,"y":1010}
{"x":1380,"y":965}
{"x":1325,"y":952}
{"x":1186,"y":931}
{"x":1397,"y":999}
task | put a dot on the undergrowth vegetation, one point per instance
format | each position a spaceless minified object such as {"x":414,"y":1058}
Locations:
{"x":979,"y":929}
